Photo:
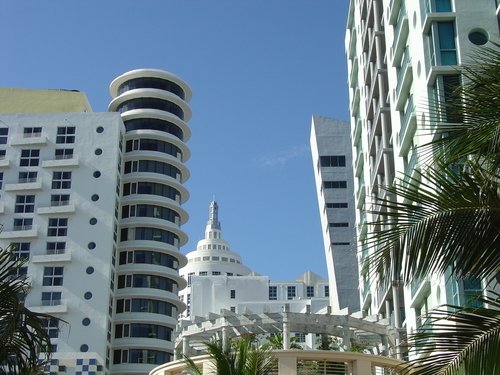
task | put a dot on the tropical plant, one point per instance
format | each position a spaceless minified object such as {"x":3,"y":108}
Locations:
{"x":239,"y":356}
{"x":447,"y":218}
{"x":275,"y":341}
{"x":22,"y":335}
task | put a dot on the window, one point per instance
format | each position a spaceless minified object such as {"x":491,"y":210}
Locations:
{"x":61,"y":180}
{"x":232,"y":294}
{"x":23,"y":224}
{"x":64,"y":153}
{"x":143,"y":330}
{"x":147,"y":281}
{"x":2,"y":154}
{"x":51,"y":298}
{"x":145,"y":305}
{"x":149,"y":210}
{"x":1,"y":180}
{"x":27,"y":177}
{"x":335,"y":184}
{"x":332,"y":161}
{"x":339,"y":225}
{"x":216,"y":273}
{"x":65,"y":134}
{"x":337,"y":205}
{"x":233,"y":309}
{"x":472,"y":290}
{"x":153,"y":145}
{"x":447,"y":46}
{"x":21,"y":249}
{"x":341,"y":243}
{"x":59,"y":200}
{"x":149,"y":257}
{"x":310,"y":291}
{"x":148,"y":356}
{"x":151,"y":188}
{"x":56,"y":247}
{"x":291,"y":291}
{"x":57,"y":227}
{"x":53,"y":276}
{"x":4,"y":132}
{"x":152,"y":166}
{"x":300,"y":337}
{"x":32,"y":132}
{"x":29,"y":158}
{"x":52,"y":327}
{"x":327,"y":291}
{"x":25,"y":204}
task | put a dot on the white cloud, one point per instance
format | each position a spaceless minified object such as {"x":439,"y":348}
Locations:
{"x":283,"y":157}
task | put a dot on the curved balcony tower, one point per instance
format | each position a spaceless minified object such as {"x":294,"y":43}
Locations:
{"x":153,"y":106}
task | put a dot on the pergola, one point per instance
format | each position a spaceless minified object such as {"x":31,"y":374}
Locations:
{"x":192,"y":335}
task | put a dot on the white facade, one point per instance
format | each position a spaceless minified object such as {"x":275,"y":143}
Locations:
{"x":218,"y":281}
{"x":93,"y":200}
{"x":402,"y":56}
{"x":332,"y":160}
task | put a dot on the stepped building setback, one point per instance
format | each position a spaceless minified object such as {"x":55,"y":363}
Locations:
{"x":94,"y":202}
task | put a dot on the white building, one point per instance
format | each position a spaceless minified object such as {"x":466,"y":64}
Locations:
{"x":402,"y":56}
{"x":332,"y":160}
{"x":218,"y":281}
{"x":93,"y":200}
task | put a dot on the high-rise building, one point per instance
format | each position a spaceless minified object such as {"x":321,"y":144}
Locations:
{"x":94,"y":202}
{"x":332,"y":160}
{"x":402,"y":57}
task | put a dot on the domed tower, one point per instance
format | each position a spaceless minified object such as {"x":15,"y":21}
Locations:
{"x":154,"y":109}
{"x":212,"y":257}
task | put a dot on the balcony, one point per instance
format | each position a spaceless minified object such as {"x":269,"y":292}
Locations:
{"x":408,"y":127}
{"x":353,"y":78}
{"x":64,"y":206}
{"x":419,"y":289}
{"x":354,"y":107}
{"x":62,"y":255}
{"x":19,"y":231}
{"x":25,"y":184}
{"x":405,"y":79}
{"x":357,"y":128}
{"x":29,"y":139}
{"x":392,"y":11}
{"x":360,"y":195}
{"x":400,"y":34}
{"x":410,"y":168}
{"x":358,"y":166}
{"x":61,"y":162}
{"x":4,"y":162}
{"x":50,"y":306}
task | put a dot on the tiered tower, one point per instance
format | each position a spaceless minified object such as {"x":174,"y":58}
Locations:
{"x":153,"y":106}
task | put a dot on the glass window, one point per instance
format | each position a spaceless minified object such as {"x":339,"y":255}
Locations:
{"x":332,"y":161}
{"x":51,"y":298}
{"x":335,"y":184}
{"x":65,"y":134}
{"x":337,"y":205}
{"x":61,"y":180}
{"x":233,"y":293}
{"x":4,"y":132}
{"x":29,"y":158}
{"x":52,"y":327}
{"x":21,"y":249}
{"x":23,"y":224}
{"x":64,"y":153}
{"x":27,"y":177}
{"x":338,"y":225}
{"x":310,"y":291}
{"x":327,"y":291}
{"x":32,"y":132}
{"x":448,"y":50}
{"x":57,"y":227}
{"x":291,"y":291}
{"x":56,"y":247}
{"x":59,"y":200}
{"x":53,"y":276}
{"x":25,"y":204}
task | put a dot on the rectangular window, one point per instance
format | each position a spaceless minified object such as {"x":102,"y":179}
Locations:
{"x":335,"y":184}
{"x":215,"y":273}
{"x":339,"y":225}
{"x":51,"y":298}
{"x":233,"y":293}
{"x":2,"y":154}
{"x":65,"y":134}
{"x":59,"y":200}
{"x":310,"y":291}
{"x":23,"y":224}
{"x":52,"y":327}
{"x":27,"y":177}
{"x":291,"y":291}
{"x":4,"y":132}
{"x":53,"y":276}
{"x":337,"y":205}
{"x":447,"y":46}
{"x":273,"y":292}
{"x":32,"y":132}
{"x":332,"y":161}
{"x":64,"y":153}
{"x":327,"y":291}
{"x":21,"y":249}
{"x":57,"y":227}
{"x":61,"y":180}
{"x":341,"y":243}
{"x":29,"y":158}
{"x":1,"y":180}
{"x":25,"y":204}
{"x":56,"y":248}
{"x":233,"y":309}
{"x":203,"y":273}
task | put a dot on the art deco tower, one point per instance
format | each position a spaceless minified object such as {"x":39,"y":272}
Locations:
{"x":153,"y":106}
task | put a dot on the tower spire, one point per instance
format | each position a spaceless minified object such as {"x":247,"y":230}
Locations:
{"x":213,"y":216}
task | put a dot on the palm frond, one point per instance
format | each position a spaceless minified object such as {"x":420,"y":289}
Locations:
{"x":457,"y":340}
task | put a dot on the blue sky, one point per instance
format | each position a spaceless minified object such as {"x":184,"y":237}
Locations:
{"x":259,"y":69}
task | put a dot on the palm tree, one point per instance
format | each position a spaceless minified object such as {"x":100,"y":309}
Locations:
{"x":448,"y":218}
{"x":22,"y":335}
{"x":238,"y":357}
